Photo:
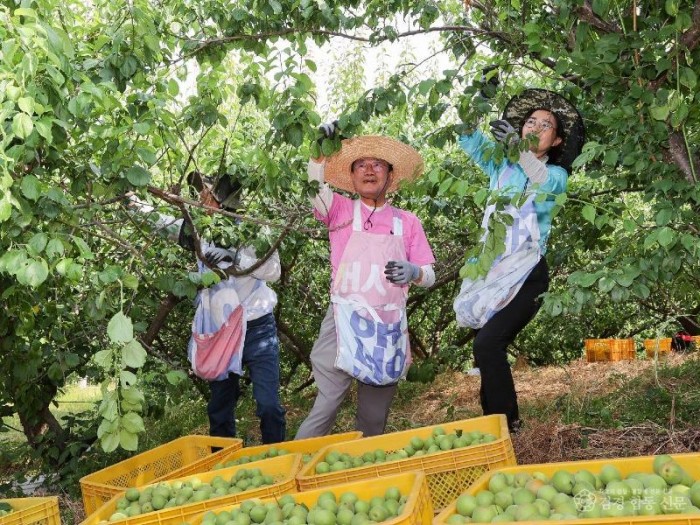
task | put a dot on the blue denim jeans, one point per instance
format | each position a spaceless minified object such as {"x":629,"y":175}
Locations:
{"x":261,"y":358}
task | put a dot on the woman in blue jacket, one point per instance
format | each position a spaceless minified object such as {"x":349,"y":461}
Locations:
{"x":501,"y":304}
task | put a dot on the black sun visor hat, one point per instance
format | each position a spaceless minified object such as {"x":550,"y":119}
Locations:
{"x":224,"y":188}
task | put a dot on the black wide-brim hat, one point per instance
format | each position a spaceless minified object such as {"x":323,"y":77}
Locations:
{"x":520,"y":106}
{"x":225,"y":188}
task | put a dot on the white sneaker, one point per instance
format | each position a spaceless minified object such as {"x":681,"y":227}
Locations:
{"x":474,"y":372}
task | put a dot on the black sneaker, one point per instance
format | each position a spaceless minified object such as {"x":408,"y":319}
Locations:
{"x":515,"y":426}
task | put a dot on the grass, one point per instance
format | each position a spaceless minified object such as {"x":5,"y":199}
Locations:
{"x":664,"y":395}
{"x":75,"y":398}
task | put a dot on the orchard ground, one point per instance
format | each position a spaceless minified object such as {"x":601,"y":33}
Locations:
{"x":571,"y":412}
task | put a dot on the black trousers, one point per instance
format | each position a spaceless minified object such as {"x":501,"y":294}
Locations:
{"x":491,"y":342}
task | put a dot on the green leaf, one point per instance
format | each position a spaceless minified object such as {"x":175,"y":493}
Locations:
{"x":133,"y":354}
{"x":611,"y":157}
{"x":22,"y":125}
{"x":38,"y":242}
{"x":128,"y":440}
{"x":175,"y":377}
{"x":688,"y":77}
{"x":109,"y":408}
{"x":133,"y":395}
{"x":26,"y":104}
{"x":126,"y":378}
{"x":54,"y":248}
{"x":671,"y":7}
{"x":107,"y":426}
{"x":31,"y":187}
{"x":209,"y":278}
{"x":109,"y":442}
{"x":659,"y":112}
{"x":120,"y":329}
{"x":103,"y":358}
{"x":130,"y":281}
{"x":666,"y":236}
{"x":138,"y":176}
{"x":173,"y":88}
{"x":629,"y":225}
{"x":142,"y":128}
{"x":133,"y":423}
{"x":294,"y":134}
{"x":587,"y":280}
{"x":83,"y":247}
{"x":589,"y":213}
{"x":641,"y":290}
{"x":664,"y":216}
{"x":276,"y":6}
{"x":5,"y":208}
{"x":606,"y":284}
{"x":34,"y":273}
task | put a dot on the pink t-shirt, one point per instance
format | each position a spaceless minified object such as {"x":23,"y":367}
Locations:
{"x":339,"y":222}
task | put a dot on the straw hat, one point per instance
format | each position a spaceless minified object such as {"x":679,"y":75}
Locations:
{"x":574,"y":131}
{"x":407,"y":162}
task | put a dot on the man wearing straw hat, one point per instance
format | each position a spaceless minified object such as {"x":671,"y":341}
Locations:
{"x":377,"y":251}
{"x":503,"y":302}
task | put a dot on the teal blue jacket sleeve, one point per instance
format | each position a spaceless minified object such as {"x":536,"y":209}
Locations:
{"x":474,"y":145}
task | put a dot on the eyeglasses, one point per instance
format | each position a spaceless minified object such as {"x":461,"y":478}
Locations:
{"x":544,"y":124}
{"x":376,"y":165}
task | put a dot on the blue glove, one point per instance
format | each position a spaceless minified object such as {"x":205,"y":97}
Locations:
{"x":401,"y":272}
{"x":504,"y":132}
{"x":214,"y":256}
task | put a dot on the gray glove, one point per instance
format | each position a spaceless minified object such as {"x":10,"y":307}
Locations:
{"x":488,"y":87}
{"x":401,"y":272}
{"x":214,"y":256}
{"x":504,"y":132}
{"x":328,"y":129}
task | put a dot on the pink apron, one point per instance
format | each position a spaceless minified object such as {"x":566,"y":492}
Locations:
{"x":369,"y":311}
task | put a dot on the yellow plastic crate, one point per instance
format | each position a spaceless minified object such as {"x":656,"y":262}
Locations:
{"x":662,"y":346}
{"x":626,"y":466}
{"x":178,"y":458}
{"x":32,"y":511}
{"x":418,"y":509}
{"x":282,"y":469}
{"x":448,"y":473}
{"x":301,"y":446}
{"x":609,"y":350}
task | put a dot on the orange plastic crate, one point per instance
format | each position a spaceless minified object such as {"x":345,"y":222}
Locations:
{"x":626,"y":466}
{"x":609,"y":350}
{"x":449,"y":473}
{"x":417,"y":511}
{"x":662,"y":346}
{"x":32,"y":511}
{"x":283,"y":469}
{"x":178,"y":458}
{"x":301,"y":446}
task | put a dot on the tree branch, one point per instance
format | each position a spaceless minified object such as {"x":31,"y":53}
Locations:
{"x":586,"y":14}
{"x":166,"y":306}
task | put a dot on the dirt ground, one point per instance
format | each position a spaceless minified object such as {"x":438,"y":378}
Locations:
{"x":457,"y":395}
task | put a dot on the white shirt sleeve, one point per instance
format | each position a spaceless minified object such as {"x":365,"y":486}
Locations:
{"x":269,"y":271}
{"x":323,"y":199}
{"x":428,"y":278}
{"x":162,"y":224}
{"x":534,"y":168}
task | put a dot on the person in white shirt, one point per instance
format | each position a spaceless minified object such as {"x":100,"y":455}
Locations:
{"x":255,"y":329}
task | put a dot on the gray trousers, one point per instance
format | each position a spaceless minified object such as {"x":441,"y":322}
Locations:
{"x":373,"y":402}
